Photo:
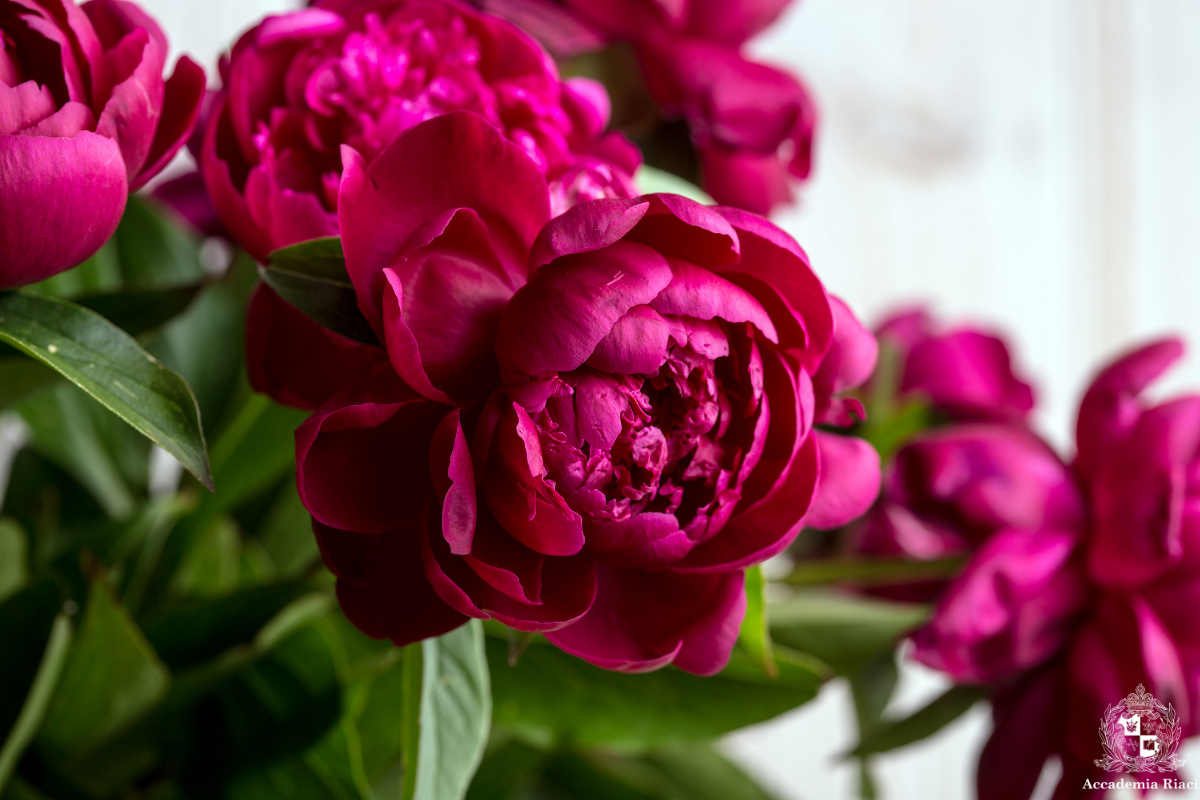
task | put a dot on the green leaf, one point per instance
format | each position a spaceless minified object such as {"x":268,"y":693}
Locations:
{"x":550,"y":696}
{"x":698,"y":772}
{"x":843,"y":630}
{"x":197,"y":630}
{"x":21,"y":375}
{"x":14,"y":558}
{"x":111,"y":678}
{"x":872,"y":571}
{"x":26,"y":620}
{"x":153,"y":249}
{"x":286,"y":534}
{"x":312,"y":277}
{"x":871,"y":687}
{"x":650,"y":180}
{"x":110,"y":366}
{"x":210,"y":568}
{"x":455,"y":715}
{"x":136,"y":311}
{"x":755,"y":635}
{"x":921,"y":724}
{"x":64,"y":431}
{"x":34,"y":710}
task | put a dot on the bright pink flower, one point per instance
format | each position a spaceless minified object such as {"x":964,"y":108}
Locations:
{"x":1097,"y":607}
{"x":85,"y":117}
{"x":361,"y":72}
{"x":963,"y":371}
{"x":586,"y":426}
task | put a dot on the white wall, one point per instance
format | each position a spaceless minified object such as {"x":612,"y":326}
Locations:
{"x":1033,"y":163}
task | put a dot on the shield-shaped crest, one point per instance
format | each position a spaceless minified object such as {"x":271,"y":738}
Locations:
{"x":1149,"y":746}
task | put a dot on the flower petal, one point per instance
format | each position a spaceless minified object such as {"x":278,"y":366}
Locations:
{"x":60,"y":200}
{"x":848,"y":483}
{"x":642,"y":621}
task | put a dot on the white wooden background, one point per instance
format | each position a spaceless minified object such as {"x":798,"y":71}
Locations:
{"x":1031,"y":163}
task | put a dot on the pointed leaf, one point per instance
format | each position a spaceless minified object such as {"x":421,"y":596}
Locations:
{"x":109,"y":365}
{"x":34,"y":710}
{"x":755,"y":635}
{"x":923,"y":723}
{"x":312,"y":277}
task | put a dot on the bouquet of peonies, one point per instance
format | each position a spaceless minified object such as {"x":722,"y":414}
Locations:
{"x":487,"y":441}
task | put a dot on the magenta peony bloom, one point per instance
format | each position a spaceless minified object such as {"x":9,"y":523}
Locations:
{"x":965,"y":372}
{"x":85,"y":117}
{"x":1066,"y":619}
{"x":586,"y":426}
{"x":361,"y":72}
{"x":752,"y":124}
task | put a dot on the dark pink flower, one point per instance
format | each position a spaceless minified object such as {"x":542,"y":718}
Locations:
{"x":586,"y":426}
{"x":964,"y":371}
{"x":360,"y":72}
{"x":85,"y":117}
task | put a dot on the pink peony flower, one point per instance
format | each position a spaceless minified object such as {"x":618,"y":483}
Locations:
{"x":1067,"y":618}
{"x":85,"y":117}
{"x":586,"y":426}
{"x":360,"y":72}
{"x":965,"y":372}
{"x":752,"y":124}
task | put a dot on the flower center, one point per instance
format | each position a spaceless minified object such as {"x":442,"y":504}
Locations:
{"x":621,"y":445}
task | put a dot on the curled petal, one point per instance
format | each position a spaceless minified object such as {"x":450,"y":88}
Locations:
{"x":1110,"y":408}
{"x":183,"y":99}
{"x":637,"y":344}
{"x":848,"y":363}
{"x":680,"y":228}
{"x":454,"y":481}
{"x":555,"y":322}
{"x":699,"y":293}
{"x":519,"y":496}
{"x":585,"y":228}
{"x":642,"y":621}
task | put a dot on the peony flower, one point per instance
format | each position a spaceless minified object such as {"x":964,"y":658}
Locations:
{"x":586,"y":426}
{"x":965,"y":372}
{"x":751,"y":124}
{"x":1065,"y":620}
{"x":85,"y":117}
{"x":360,"y":72}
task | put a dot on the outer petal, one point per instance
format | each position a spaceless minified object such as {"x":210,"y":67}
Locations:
{"x":382,"y":586}
{"x":642,"y":621}
{"x":362,"y":460}
{"x":1111,"y":408}
{"x":679,"y":227}
{"x":457,"y":160}
{"x":848,"y":483}
{"x":441,"y":308}
{"x":131,"y":114}
{"x":218,"y":178}
{"x":296,"y":361}
{"x":722,"y":21}
{"x":776,"y":271}
{"x":182,"y":101}
{"x":60,"y":200}
{"x":585,"y":228}
{"x":849,"y":363}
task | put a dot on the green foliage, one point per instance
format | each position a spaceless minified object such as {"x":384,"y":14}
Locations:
{"x":889,"y":734}
{"x":551,"y":697}
{"x":312,"y":277}
{"x":110,"y":366}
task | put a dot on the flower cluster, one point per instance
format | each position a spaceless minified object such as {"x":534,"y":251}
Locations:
{"x":85,"y":117}
{"x":1081,"y":577}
